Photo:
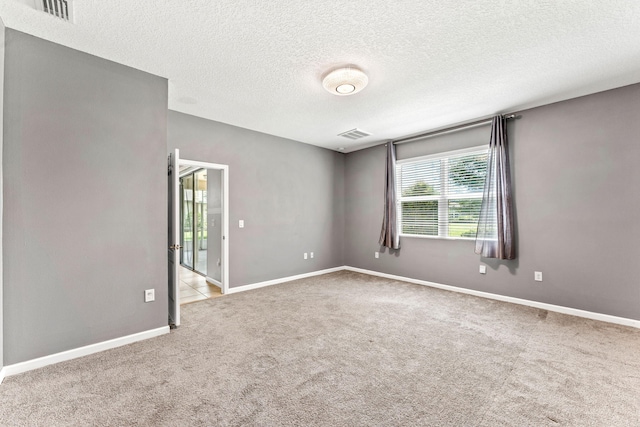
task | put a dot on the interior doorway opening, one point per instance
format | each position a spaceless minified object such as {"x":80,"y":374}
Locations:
{"x":198,"y":228}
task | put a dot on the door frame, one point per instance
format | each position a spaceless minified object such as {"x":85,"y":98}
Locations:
{"x":225,"y":212}
{"x":2,"y":47}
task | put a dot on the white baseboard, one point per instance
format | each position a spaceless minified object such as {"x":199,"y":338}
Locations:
{"x":3,"y":373}
{"x":550,"y":307}
{"x":29,"y":365}
{"x":282,"y":280}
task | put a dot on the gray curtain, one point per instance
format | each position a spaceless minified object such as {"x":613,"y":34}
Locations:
{"x":389,"y":235}
{"x":495,"y":237}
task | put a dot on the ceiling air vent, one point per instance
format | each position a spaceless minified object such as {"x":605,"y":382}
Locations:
{"x":58,"y":8}
{"x":354,"y":134}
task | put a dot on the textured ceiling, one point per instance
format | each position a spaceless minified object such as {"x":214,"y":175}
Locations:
{"x":259,"y":64}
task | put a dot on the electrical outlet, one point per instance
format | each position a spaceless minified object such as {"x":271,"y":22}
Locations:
{"x":376,"y":254}
{"x":305,"y":255}
{"x":311,"y":255}
{"x":537,"y":276}
{"x":241,"y":223}
{"x":149,"y":295}
{"x":483,"y":269}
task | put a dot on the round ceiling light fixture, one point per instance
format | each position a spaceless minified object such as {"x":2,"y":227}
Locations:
{"x":345,"y":81}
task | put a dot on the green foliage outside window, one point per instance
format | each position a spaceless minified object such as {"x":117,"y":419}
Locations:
{"x":463,"y":217}
{"x":420,"y":217}
{"x":468,"y":172}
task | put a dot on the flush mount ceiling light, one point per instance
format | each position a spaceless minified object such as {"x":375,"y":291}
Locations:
{"x":345,"y":81}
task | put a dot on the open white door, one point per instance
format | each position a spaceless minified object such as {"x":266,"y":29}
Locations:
{"x":174,"y":239}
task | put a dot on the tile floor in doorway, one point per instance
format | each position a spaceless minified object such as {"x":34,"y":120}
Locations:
{"x":194,"y":287}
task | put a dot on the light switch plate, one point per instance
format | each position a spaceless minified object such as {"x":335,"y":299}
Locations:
{"x":149,"y":295}
{"x":483,"y":269}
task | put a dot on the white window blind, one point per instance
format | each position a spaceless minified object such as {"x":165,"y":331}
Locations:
{"x":441,"y":195}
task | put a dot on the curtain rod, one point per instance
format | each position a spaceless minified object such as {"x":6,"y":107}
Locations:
{"x":450,"y":129}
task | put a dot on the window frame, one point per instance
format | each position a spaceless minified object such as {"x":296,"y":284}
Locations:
{"x":443,"y":198}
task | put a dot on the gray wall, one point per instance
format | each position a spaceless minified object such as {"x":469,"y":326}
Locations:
{"x":290,"y":196}
{"x":2,"y":31}
{"x":214,"y":224}
{"x":84,"y":197}
{"x":575,"y":175}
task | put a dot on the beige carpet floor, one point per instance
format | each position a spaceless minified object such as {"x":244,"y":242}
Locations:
{"x":347,"y":349}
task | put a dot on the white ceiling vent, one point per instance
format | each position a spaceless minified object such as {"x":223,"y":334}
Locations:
{"x":59,"y":8}
{"x":354,"y":134}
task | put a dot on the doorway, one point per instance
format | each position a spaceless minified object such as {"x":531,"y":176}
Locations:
{"x":198,"y":225}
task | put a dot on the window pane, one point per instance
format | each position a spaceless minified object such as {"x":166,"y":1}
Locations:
{"x":441,"y":195}
{"x":420,"y":218}
{"x":420,"y":178}
{"x":466,"y":173}
{"x":200,"y":241}
{"x":186,"y":212}
{"x":463,"y":217}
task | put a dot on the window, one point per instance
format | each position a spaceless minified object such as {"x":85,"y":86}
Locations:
{"x":440,"y":195}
